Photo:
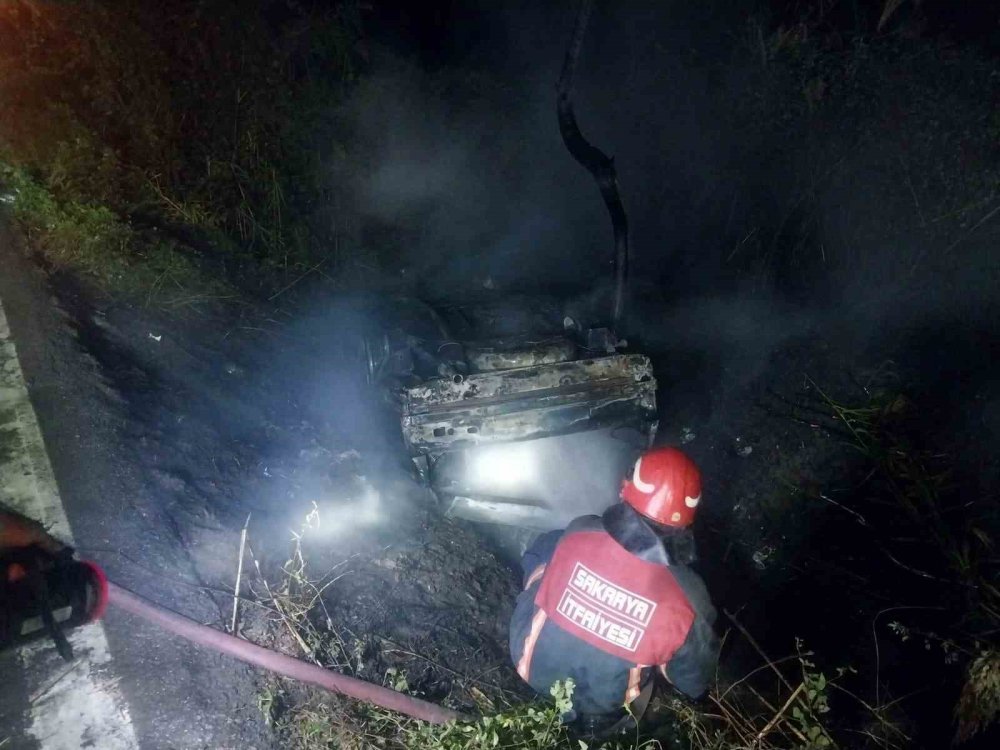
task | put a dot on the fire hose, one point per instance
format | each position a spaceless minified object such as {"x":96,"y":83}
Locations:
{"x":44,"y":595}
{"x":280,"y":663}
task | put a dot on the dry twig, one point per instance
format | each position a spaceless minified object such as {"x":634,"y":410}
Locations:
{"x":281,"y":612}
{"x":239,"y":576}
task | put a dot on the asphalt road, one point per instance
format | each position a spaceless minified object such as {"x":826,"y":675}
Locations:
{"x":134,"y":685}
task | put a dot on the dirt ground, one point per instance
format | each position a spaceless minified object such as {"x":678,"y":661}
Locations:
{"x":222,"y":433}
{"x":238,"y":410}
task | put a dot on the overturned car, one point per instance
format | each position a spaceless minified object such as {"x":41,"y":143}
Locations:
{"x":513,"y":412}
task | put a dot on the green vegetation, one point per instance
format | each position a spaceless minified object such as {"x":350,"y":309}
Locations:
{"x":979,"y":705}
{"x":918,"y":482}
{"x":92,"y":239}
{"x":524,"y":727}
{"x":312,"y":726}
{"x":956,"y":543}
{"x":199,"y":120}
{"x":736,"y":715}
{"x":783,"y":704}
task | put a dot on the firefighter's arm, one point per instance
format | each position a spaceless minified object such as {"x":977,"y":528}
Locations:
{"x":692,"y":666}
{"x":18,"y":532}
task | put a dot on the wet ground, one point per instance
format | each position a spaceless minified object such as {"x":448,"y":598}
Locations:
{"x":169,"y":428}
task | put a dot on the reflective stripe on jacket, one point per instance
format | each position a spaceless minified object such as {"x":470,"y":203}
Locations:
{"x":603,"y":605}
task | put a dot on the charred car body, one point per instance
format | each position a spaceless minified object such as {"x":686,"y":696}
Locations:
{"x":483,"y":388}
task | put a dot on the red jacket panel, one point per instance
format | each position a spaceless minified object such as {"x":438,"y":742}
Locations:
{"x":627,"y":607}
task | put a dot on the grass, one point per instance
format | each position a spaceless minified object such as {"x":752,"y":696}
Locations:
{"x":910,"y":533}
{"x":204,"y":118}
{"x":736,"y":715}
{"x":93,"y":240}
{"x":779,"y":705}
{"x":522,"y":727}
{"x":957,"y":546}
{"x":979,"y":705}
{"x":918,"y":483}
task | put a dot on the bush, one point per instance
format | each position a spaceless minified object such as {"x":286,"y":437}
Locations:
{"x":200,"y":113}
{"x":91,"y":238}
{"x":979,"y":705}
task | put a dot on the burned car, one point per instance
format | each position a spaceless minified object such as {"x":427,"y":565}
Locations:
{"x":513,"y":411}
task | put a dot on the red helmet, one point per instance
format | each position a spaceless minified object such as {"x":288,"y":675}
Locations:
{"x":665,"y":487}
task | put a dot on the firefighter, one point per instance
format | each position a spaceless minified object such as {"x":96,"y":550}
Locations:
{"x":611,"y":601}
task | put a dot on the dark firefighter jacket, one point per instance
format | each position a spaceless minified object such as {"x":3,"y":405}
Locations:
{"x":605,"y":604}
